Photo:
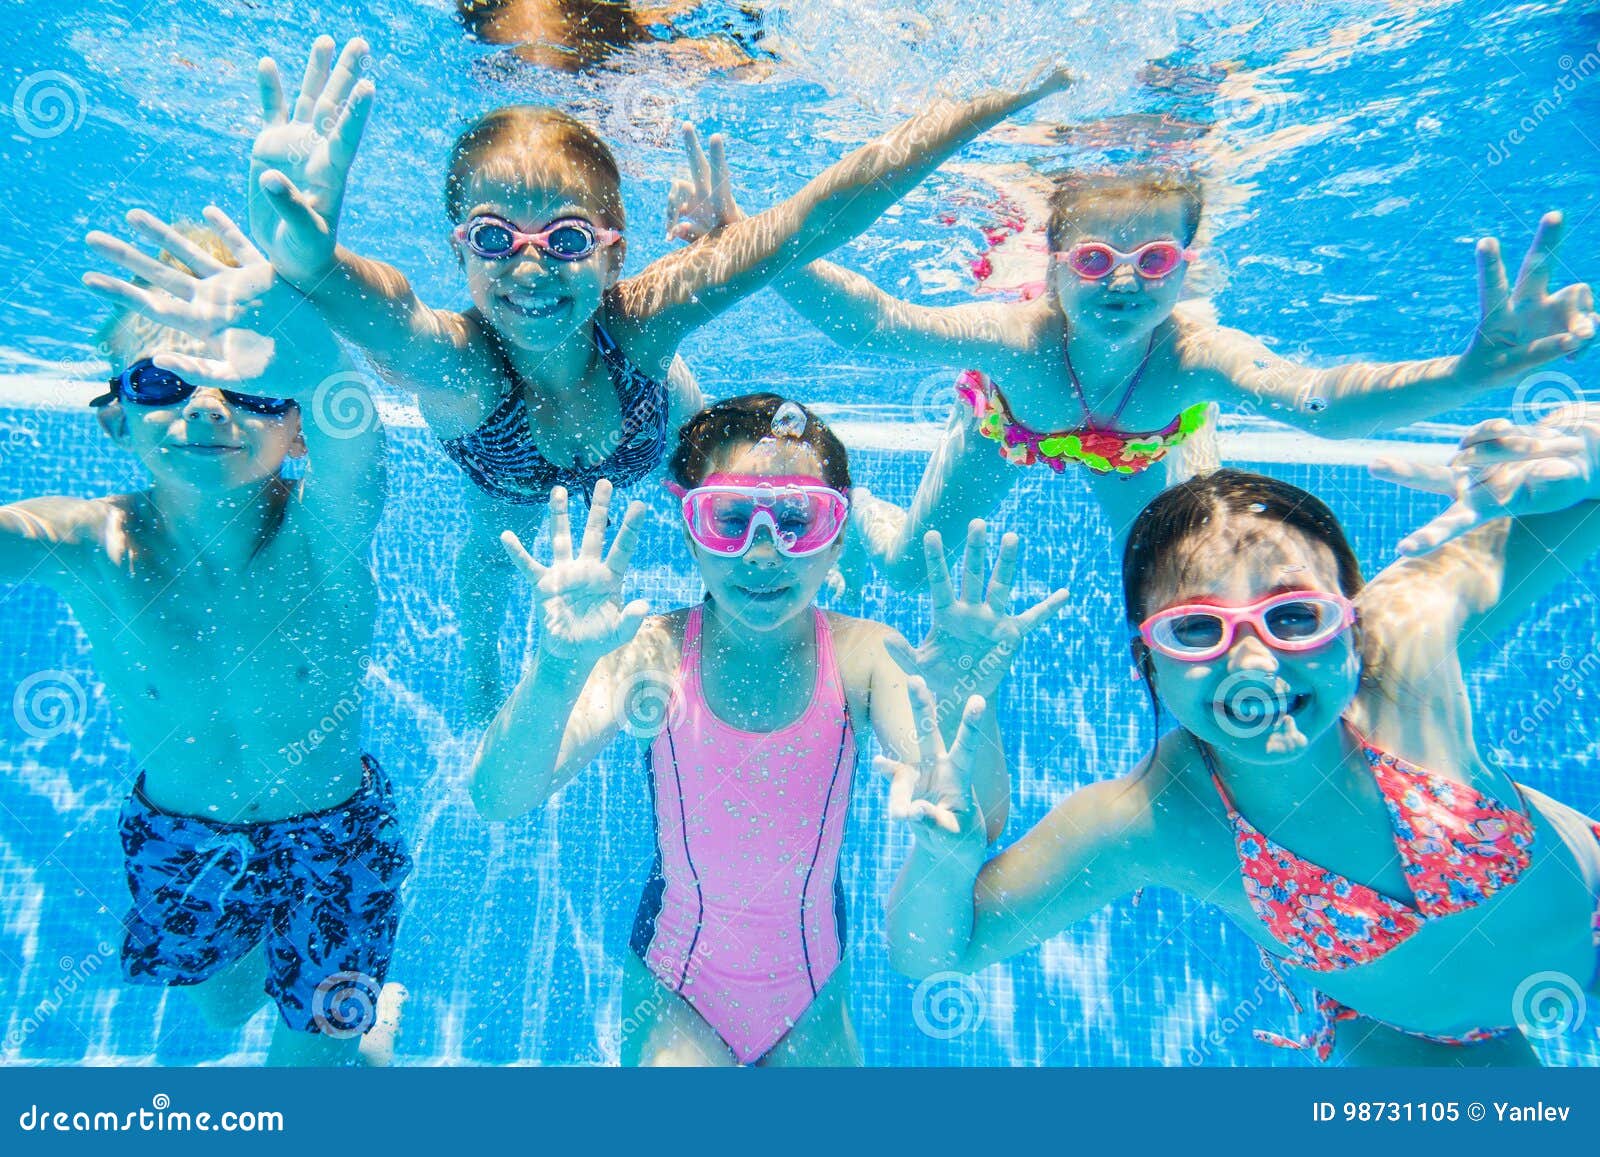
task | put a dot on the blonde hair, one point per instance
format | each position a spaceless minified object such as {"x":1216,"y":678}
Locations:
{"x":1075,"y":191}
{"x":501,"y":145}
{"x":127,"y":335}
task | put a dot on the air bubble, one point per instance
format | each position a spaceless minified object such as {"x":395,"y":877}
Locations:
{"x":790,"y":421}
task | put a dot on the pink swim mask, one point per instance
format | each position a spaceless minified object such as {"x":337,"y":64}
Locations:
{"x":802,"y":515}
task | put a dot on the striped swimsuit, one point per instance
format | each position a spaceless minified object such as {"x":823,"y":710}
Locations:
{"x":502,"y":460}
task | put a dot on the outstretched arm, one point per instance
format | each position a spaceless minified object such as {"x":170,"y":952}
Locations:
{"x":299,"y":169}
{"x":686,"y":288}
{"x":950,"y":911}
{"x":840,"y":303}
{"x":1520,"y":328}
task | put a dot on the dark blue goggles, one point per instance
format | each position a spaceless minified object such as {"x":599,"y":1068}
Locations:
{"x":146,"y":384}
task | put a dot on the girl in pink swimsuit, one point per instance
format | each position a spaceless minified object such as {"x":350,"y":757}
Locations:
{"x":751,"y":707}
{"x":1322,"y":786}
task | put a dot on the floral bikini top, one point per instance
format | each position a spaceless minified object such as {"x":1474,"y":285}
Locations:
{"x":1457,"y":848}
{"x":1101,"y":447}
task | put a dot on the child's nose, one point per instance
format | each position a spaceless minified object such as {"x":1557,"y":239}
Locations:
{"x":1123,"y":278}
{"x":205,"y":406}
{"x":1249,"y":653}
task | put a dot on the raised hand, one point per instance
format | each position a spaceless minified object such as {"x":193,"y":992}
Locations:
{"x":935,"y":794}
{"x":1502,"y":470}
{"x":705,"y":201}
{"x":301,"y":159}
{"x":1526,"y":325}
{"x":973,"y":637}
{"x":578,"y":596}
{"x":258,"y":334}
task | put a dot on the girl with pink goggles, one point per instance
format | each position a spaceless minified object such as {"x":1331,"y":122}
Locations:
{"x":1290,"y":621}
{"x":802,"y":515}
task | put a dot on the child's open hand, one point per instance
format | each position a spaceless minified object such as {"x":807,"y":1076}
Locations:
{"x":259,"y":335}
{"x":578,"y":596}
{"x":973,"y":637}
{"x":1526,"y":325}
{"x":302,"y":157}
{"x":705,"y":201}
{"x":1502,"y":470}
{"x":935,"y":794}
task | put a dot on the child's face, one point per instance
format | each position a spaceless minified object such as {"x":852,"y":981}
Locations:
{"x":1255,"y":702}
{"x":533,"y":300}
{"x":1122,"y":304}
{"x":203,"y":443}
{"x":763,"y":588}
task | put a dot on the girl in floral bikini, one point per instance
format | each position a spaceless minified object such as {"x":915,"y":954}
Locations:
{"x":1108,"y":372}
{"x":1424,"y":888}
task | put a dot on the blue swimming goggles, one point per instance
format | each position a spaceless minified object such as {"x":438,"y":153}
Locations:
{"x":146,"y":384}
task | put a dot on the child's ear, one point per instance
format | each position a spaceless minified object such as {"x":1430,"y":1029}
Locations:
{"x":616,"y":256}
{"x":113,"y":420}
{"x":297,"y":448}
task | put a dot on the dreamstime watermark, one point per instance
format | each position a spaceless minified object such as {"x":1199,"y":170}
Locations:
{"x":1562,"y":689}
{"x":342,"y":406}
{"x":75,"y":975}
{"x":160,"y":1117}
{"x":47,"y":104}
{"x":1236,"y":1019}
{"x":345,"y":1004}
{"x":1247,"y":705}
{"x":648,"y":704}
{"x":1542,"y":393}
{"x":643,"y":109}
{"x":50,"y":703}
{"x":1573,"y":74}
{"x":1548,"y":1005}
{"x":935,"y":397}
{"x":947,"y":1005}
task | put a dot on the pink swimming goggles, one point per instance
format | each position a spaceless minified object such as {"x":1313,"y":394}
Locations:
{"x":1291,"y":621}
{"x":568,"y":239}
{"x":1094,"y":260}
{"x":802,"y":515}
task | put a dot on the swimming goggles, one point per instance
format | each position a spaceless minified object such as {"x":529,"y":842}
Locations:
{"x":146,"y":384}
{"x":1093,"y":260}
{"x":1292,"y":621}
{"x":567,"y":239}
{"x":803,"y":516}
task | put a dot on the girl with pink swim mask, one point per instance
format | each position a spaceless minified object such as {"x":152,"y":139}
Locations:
{"x":739,"y":947}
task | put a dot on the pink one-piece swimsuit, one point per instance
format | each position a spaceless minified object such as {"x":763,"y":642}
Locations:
{"x":744,"y":915}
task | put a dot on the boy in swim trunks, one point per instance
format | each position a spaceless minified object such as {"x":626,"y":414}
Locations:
{"x":231,"y":611}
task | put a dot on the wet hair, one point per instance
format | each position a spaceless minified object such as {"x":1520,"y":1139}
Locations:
{"x":1074,"y":191}
{"x":572,"y":35}
{"x":127,"y":335}
{"x":749,"y":419}
{"x":1193,"y":508}
{"x":504,"y":141}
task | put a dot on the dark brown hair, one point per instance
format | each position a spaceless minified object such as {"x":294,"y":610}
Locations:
{"x":749,"y":419}
{"x":529,"y":131}
{"x":1074,"y":191}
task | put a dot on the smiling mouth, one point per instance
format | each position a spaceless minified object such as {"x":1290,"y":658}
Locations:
{"x":763,"y":594}
{"x":1254,"y":709}
{"x":535,"y":304}
{"x":207,"y":450}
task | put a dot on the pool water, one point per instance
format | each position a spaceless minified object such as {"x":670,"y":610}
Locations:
{"x":1356,"y":150}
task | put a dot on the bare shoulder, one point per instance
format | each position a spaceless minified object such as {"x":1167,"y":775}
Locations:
{"x":858,"y":645}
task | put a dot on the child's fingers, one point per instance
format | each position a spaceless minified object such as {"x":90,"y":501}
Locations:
{"x":972,"y":560}
{"x":1492,"y":288}
{"x":941,"y":817}
{"x":233,"y":237}
{"x":160,"y":309}
{"x":1541,"y":350}
{"x":594,"y":527}
{"x":289,"y":203}
{"x":315,"y":76}
{"x":677,"y":198}
{"x":925,"y":716}
{"x":1533,"y":279}
{"x":902,"y":779}
{"x":964,"y":749}
{"x":270,"y":85}
{"x":1415,"y":475}
{"x":524,"y":561}
{"x":1518,"y":448}
{"x":342,"y":81}
{"x":1450,"y":525}
{"x":620,"y":557}
{"x":633,"y":617}
{"x":1005,"y":571}
{"x":161,"y":233}
{"x":721,"y":190}
{"x":142,"y":265}
{"x":196,"y":371}
{"x":1030,"y":619}
{"x":345,"y":138}
{"x":699,"y":167}
{"x":560,"y":525}
{"x":941,"y":588}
